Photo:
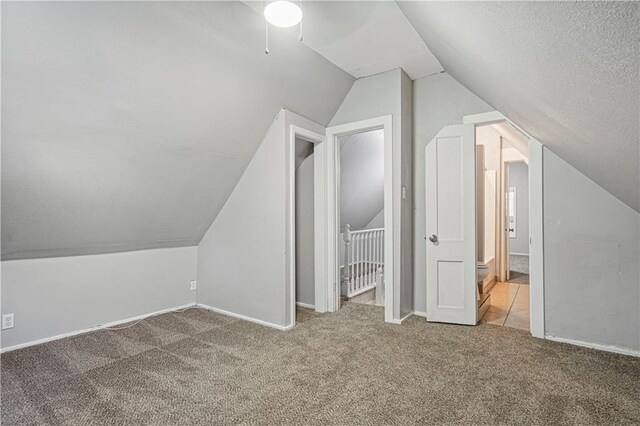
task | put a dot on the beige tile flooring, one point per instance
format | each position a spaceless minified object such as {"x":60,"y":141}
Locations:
{"x":509,"y":306}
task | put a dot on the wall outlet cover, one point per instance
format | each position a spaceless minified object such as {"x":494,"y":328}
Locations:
{"x":193,"y":285}
{"x":7,"y":321}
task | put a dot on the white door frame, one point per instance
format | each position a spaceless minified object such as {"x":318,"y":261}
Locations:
{"x":536,"y":228}
{"x":318,"y":201}
{"x":328,"y":296}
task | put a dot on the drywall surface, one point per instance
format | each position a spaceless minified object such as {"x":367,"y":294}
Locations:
{"x":592,"y":255}
{"x":126,"y":125}
{"x":61,"y":295}
{"x":519,"y":178}
{"x":376,"y":96}
{"x":361,"y":178}
{"x":488,"y":145}
{"x":438,"y":101}
{"x":405,"y":196}
{"x":568,"y":73}
{"x":241,"y":259}
{"x":363,"y":38}
{"x":377,"y":221}
{"x":305,"y":256}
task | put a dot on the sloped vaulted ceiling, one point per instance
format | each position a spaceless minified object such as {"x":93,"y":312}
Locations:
{"x":125,"y":125}
{"x":566,"y":72}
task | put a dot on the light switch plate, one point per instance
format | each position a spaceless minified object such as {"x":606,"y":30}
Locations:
{"x":193,"y":285}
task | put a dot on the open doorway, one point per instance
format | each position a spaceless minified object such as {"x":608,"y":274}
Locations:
{"x":304,"y":224}
{"x":502,"y":225}
{"x":361,"y":212}
{"x":467,"y":253}
{"x":359,"y":260}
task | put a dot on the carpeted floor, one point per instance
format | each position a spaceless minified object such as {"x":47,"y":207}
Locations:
{"x":201,"y":368}
{"x":519,"y":269}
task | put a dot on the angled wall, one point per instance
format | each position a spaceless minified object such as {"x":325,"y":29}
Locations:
{"x":241,"y":258}
{"x":592,"y":257}
{"x":125,"y":124}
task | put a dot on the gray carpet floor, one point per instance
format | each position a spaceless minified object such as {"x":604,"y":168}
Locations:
{"x":201,"y":368}
{"x":518,"y":269}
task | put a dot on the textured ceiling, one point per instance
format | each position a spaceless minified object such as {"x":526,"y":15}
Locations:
{"x":362,"y":37}
{"x":361,"y":178}
{"x":566,"y":72}
{"x":125,"y":125}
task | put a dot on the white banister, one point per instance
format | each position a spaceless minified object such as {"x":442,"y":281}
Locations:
{"x":363,"y":260}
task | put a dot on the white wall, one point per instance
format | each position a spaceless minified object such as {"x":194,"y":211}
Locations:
{"x":592,"y":256}
{"x":377,"y":221}
{"x":519,"y":178}
{"x":489,"y":142}
{"x":438,"y":100}
{"x":361,"y":178}
{"x":305,"y":255}
{"x":54,"y":296}
{"x":375,"y":96}
{"x":125,"y":124}
{"x":241,"y":259}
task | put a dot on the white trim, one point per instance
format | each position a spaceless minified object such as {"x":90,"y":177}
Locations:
{"x":484,"y":118}
{"x":520,"y":254}
{"x":401,"y":320}
{"x":536,"y":239}
{"x":332,"y":214}
{"x":246,"y":318}
{"x":536,"y":223}
{"x":95,"y":328}
{"x":305,"y":305}
{"x":319,"y":194}
{"x":598,"y":346}
{"x":420,"y":314}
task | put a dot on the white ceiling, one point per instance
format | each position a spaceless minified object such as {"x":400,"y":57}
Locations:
{"x":568,"y":73}
{"x":125,"y":125}
{"x":362,"y":37}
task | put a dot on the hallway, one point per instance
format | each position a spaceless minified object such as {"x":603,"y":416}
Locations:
{"x":509,"y":305}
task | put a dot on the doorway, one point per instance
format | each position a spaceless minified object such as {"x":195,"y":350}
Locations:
{"x":361,"y":212}
{"x":304,"y":224}
{"x":467,"y":247}
{"x":503,"y":228}
{"x":377,"y":265}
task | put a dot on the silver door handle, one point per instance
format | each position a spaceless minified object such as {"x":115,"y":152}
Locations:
{"x":433,"y":238}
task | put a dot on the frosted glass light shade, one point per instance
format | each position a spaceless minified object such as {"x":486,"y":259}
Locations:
{"x":283,"y":14}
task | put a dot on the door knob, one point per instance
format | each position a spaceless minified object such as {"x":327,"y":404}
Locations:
{"x":433,"y":238}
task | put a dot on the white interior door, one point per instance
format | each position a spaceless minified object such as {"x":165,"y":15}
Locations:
{"x":451,"y":226}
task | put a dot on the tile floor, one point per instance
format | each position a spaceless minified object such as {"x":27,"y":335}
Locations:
{"x":509,"y":306}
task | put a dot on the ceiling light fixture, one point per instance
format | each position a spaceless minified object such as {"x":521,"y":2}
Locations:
{"x":282,"y":14}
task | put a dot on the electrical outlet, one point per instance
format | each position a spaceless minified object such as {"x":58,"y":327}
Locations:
{"x":7,"y":321}
{"x":193,"y":285}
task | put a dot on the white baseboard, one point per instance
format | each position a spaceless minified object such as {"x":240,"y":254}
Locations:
{"x":94,"y":328}
{"x":520,"y":254}
{"x":598,"y":346}
{"x":420,"y":314}
{"x":305,"y":305}
{"x":401,"y":320}
{"x":246,"y":318}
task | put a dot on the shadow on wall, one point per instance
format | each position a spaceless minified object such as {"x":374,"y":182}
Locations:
{"x":362,"y":180}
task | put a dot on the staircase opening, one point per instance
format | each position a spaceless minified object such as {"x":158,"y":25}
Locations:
{"x":361,"y":214}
